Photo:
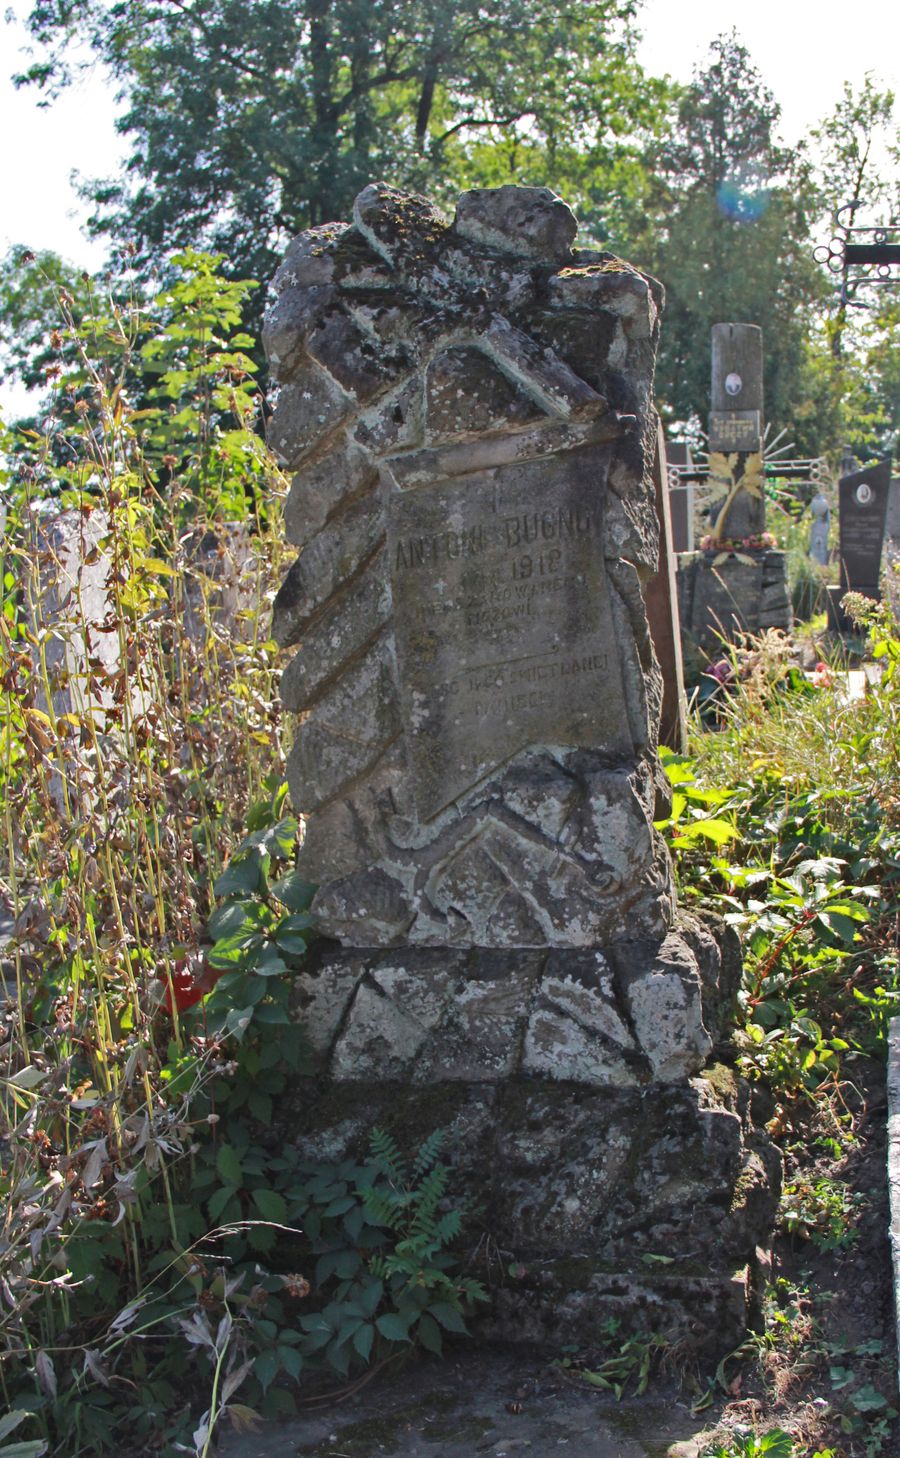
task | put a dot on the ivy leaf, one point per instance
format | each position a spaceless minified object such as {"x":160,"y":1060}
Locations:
{"x":239,"y":1020}
{"x":265,"y":1368}
{"x":867,"y":1399}
{"x":842,"y":923}
{"x":244,"y":874}
{"x":717,"y":830}
{"x":234,"y":953}
{"x":228,"y":920}
{"x":271,"y":1205}
{"x":289,"y":933}
{"x":371,"y":1297}
{"x":220,"y":1200}
{"x":363,"y":1338}
{"x":229,"y":1165}
{"x":269,"y":963}
{"x":394,"y":1327}
{"x":291,"y":1360}
{"x":448,"y":1316}
{"x":429,"y":1334}
{"x":294,"y":892}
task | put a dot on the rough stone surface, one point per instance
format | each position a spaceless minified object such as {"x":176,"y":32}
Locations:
{"x":649,"y":1205}
{"x":467,"y":409}
{"x":638,"y":1013}
{"x":724,"y":599}
{"x":529,"y":222}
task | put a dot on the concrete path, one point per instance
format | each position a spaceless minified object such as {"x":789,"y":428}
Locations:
{"x":480,"y":1405}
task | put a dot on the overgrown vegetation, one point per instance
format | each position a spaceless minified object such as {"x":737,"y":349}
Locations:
{"x":785,"y":820}
{"x":150,"y":1223}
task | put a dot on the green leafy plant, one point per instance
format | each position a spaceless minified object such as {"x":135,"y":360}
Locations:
{"x":819,"y":1210}
{"x":628,"y":1368}
{"x":371,"y":1242}
{"x":776,"y":1443}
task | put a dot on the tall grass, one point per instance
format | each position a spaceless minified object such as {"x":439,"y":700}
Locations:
{"x":132,"y":738}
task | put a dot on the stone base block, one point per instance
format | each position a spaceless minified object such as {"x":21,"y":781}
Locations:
{"x":636,"y":1012}
{"x":651,"y":1205}
{"x":719,"y":600}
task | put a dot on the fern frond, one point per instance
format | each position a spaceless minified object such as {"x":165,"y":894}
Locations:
{"x":427,"y":1155}
{"x":386,"y":1154}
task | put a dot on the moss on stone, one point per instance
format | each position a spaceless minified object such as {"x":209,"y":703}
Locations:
{"x":723,"y":1081}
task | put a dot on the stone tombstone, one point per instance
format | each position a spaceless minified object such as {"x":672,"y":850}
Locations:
{"x":681,"y":497}
{"x":736,"y":419}
{"x":65,"y":593}
{"x":820,"y":507}
{"x":862,"y":507}
{"x":736,"y":585}
{"x":69,"y":607}
{"x":472,"y":435}
{"x":466,"y":408}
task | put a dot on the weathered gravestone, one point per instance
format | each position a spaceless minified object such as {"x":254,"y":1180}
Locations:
{"x":467,"y":408}
{"x":737,"y":583}
{"x":862,"y":514}
{"x":68,"y":607}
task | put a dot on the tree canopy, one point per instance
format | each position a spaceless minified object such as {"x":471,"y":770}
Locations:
{"x":250,"y":121}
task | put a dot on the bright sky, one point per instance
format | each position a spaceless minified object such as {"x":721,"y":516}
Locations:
{"x":804,"y":52}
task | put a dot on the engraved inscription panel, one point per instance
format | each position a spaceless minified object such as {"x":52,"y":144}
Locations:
{"x":503,"y":625}
{"x":734,"y":430}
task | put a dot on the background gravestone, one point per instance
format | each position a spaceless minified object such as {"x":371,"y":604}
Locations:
{"x":467,"y":409}
{"x":737,"y":583}
{"x":736,"y":425}
{"x":862,"y":516}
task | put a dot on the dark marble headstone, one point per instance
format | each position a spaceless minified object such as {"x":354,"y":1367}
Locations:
{"x":863,"y":498}
{"x":736,"y":420}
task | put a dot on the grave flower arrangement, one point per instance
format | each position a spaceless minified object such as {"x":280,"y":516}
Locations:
{"x":734,"y":476}
{"x":738,"y":546}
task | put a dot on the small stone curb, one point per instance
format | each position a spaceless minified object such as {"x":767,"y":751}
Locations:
{"x":893,"y":1159}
